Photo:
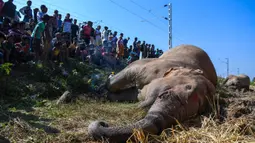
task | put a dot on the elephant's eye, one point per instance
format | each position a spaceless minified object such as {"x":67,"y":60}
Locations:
{"x":188,"y":87}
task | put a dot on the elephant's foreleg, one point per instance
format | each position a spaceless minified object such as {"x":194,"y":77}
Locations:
{"x":147,"y":102}
{"x":146,"y":98}
{"x":126,"y":78}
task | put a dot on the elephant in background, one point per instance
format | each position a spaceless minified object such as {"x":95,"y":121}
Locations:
{"x":238,"y":82}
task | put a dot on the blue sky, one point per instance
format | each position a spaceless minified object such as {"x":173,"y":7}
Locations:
{"x":223,"y":28}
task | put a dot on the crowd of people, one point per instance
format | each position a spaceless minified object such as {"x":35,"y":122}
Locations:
{"x":41,"y":36}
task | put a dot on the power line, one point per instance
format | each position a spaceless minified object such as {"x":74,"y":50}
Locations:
{"x":143,"y":17}
{"x":137,"y":15}
{"x":158,"y":17}
{"x":149,"y":11}
{"x":155,"y":10}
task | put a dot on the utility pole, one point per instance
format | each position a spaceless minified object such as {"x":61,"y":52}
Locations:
{"x":170,"y":25}
{"x":237,"y":71}
{"x":227,"y":66}
{"x":227,"y":63}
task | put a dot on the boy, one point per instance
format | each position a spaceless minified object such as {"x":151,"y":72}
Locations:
{"x":36,"y":36}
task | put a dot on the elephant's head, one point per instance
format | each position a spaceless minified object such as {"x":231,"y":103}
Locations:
{"x":184,"y":94}
{"x":184,"y":90}
{"x":232,"y":82}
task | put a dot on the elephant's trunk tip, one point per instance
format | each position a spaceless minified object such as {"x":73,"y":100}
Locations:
{"x":94,"y":129}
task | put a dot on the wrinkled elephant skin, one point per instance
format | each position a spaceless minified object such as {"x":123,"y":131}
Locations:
{"x":174,"y":87}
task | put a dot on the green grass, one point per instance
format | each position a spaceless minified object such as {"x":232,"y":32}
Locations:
{"x":49,"y":122}
{"x":44,"y":121}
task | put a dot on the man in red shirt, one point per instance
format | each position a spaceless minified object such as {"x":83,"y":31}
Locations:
{"x":87,"y":32}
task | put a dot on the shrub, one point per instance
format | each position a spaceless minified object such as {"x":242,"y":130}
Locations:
{"x":77,"y":83}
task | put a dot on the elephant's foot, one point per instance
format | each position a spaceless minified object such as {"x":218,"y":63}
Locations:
{"x":147,"y":103}
{"x":128,"y":95}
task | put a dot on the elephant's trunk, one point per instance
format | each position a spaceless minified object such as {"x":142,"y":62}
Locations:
{"x":153,"y":123}
{"x":163,"y":113}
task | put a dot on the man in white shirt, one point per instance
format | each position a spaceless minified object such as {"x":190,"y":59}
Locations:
{"x":98,"y":36}
{"x":105,"y":35}
{"x":67,"y":23}
{"x":43,"y":12}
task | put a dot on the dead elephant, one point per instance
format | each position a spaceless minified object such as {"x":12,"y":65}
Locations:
{"x":238,"y":82}
{"x":174,"y":87}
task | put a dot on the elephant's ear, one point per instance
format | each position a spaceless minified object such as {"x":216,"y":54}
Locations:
{"x":168,"y":71}
{"x":210,"y":88}
{"x":209,"y":95}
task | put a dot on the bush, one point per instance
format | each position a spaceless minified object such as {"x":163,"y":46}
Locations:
{"x":5,"y":69}
{"x":52,"y":91}
{"x":77,"y":83}
{"x":220,"y":80}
